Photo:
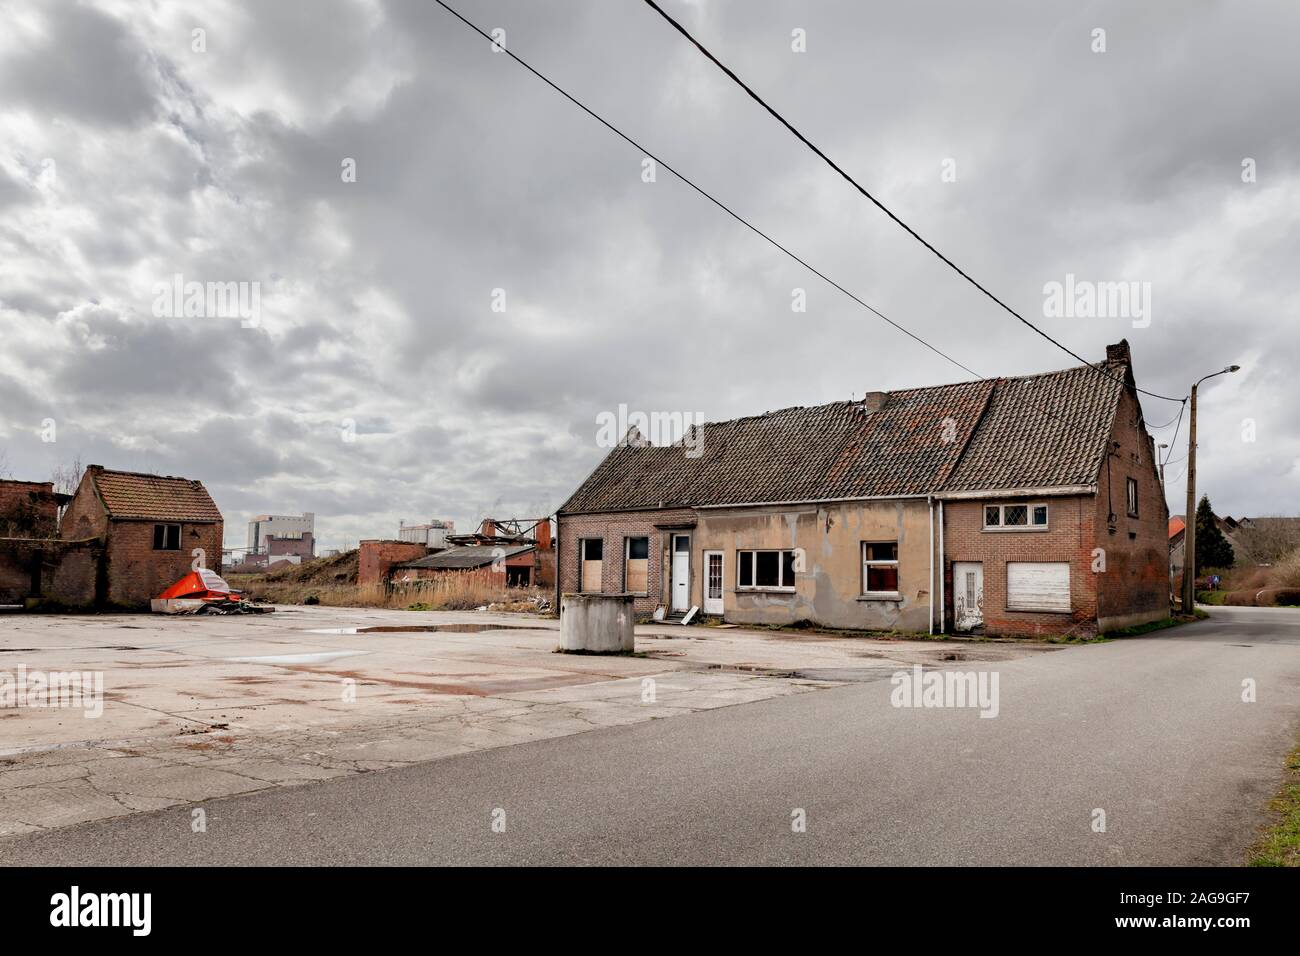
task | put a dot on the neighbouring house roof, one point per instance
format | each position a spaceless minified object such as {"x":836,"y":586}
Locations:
{"x":1035,"y":431}
{"x":1043,"y":431}
{"x":796,"y":454}
{"x":1176,"y":524}
{"x":470,"y":556}
{"x":131,"y":495}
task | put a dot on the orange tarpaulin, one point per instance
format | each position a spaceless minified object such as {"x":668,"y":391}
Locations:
{"x":201,"y":585}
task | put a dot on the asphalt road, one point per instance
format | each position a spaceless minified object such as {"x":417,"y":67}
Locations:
{"x":1153,"y":731}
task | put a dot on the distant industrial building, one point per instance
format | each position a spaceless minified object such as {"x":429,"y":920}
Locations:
{"x":284,"y":528}
{"x":432,"y":535}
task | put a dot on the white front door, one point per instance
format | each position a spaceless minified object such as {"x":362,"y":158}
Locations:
{"x":713,"y":582}
{"x":967,"y":594}
{"x":681,"y":596}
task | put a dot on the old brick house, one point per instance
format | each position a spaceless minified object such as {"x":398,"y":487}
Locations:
{"x":153,"y":527}
{"x":1026,"y":505}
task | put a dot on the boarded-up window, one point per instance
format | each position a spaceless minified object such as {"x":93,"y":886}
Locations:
{"x":592,"y":563}
{"x":636,"y":570}
{"x":1038,"y":586}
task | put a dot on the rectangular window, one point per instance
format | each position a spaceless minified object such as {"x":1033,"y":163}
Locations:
{"x":880,"y":567}
{"x":1038,"y":586}
{"x":1014,"y":516}
{"x":636,"y":567}
{"x":591,"y":556}
{"x":1132,"y":497}
{"x":765,"y":569}
{"x":166,"y":537}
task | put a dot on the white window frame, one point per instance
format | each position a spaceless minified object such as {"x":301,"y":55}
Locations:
{"x":1002,"y":507}
{"x":879,"y":595}
{"x":753,"y":570}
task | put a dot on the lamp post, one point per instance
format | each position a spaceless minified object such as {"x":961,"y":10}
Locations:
{"x":1189,"y":532}
{"x":1163,"y":446}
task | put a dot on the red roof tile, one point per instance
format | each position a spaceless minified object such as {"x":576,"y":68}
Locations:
{"x":128,"y":494}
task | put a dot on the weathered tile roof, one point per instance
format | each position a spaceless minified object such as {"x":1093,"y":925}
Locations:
{"x":797,"y":454}
{"x":1034,"y":431}
{"x":1042,"y":431}
{"x":128,"y":494}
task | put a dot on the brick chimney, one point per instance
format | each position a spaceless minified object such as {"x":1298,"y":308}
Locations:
{"x":489,"y":528}
{"x":874,"y":401}
{"x":1118,"y":353}
{"x":543,"y":534}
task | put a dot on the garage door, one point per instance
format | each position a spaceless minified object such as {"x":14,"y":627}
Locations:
{"x":1038,"y":586}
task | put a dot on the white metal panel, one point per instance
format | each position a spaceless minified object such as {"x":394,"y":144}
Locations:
{"x":1038,"y":586}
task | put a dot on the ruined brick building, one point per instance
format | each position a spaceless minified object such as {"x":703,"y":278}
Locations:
{"x":1021,"y":505}
{"x":122,"y":539}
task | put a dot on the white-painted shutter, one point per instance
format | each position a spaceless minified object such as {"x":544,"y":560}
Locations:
{"x":1038,"y":586}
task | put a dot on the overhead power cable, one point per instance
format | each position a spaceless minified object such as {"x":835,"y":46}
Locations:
{"x":881,"y":206}
{"x":735,"y":215}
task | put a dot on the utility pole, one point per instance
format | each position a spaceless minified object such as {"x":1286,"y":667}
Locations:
{"x":1189,"y":529}
{"x":1189,"y":521}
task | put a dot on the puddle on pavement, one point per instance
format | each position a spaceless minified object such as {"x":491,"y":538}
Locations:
{"x":323,"y":657}
{"x":469,"y":628}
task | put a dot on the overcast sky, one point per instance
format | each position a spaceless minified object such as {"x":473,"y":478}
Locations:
{"x":133,"y":149}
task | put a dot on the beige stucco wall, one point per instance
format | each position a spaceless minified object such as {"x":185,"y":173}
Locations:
{"x":829,"y":590}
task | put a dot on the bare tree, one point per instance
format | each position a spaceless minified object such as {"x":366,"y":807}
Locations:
{"x":1269,"y":540}
{"x":67,"y":476}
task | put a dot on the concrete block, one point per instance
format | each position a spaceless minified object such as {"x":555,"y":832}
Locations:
{"x":597,"y":623}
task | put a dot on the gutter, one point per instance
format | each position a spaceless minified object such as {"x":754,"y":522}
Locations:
{"x":943,"y":597}
{"x":1051,"y":491}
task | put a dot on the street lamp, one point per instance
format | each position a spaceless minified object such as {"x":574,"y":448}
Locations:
{"x":1163,"y":446}
{"x":1189,"y":532}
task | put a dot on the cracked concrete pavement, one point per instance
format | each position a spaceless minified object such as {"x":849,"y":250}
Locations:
{"x":201,"y":708}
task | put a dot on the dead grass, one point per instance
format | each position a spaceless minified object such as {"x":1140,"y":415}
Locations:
{"x":450,"y":592}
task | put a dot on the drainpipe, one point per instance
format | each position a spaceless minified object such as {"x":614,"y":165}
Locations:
{"x":558,"y":588}
{"x":943,"y":598}
{"x":929,"y":503}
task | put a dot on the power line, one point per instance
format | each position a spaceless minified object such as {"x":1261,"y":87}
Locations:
{"x":881,"y":206}
{"x":735,"y":215}
{"x":1174,"y":440}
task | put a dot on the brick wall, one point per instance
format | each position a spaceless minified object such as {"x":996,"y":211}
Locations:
{"x":85,"y":516}
{"x":1134,"y":588}
{"x":137,"y":573}
{"x":613,"y":529}
{"x":1069,"y":537}
{"x":28,"y":509}
{"x":377,"y":557}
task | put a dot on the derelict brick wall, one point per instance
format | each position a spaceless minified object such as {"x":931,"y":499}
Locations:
{"x":137,"y":573}
{"x":65,"y":572}
{"x":1134,"y":588}
{"x":612,"y":529}
{"x":1070,"y":537}
{"x":15,"y":575}
{"x":377,"y":557}
{"x":28,"y":509}
{"x":85,"y":516}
